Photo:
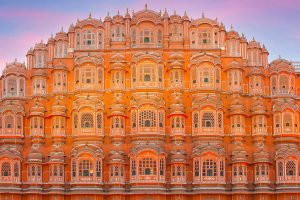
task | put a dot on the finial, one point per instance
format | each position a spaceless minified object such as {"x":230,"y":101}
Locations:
{"x":243,"y":35}
{"x":216,"y":19}
{"x":51,"y":35}
{"x":231,"y":27}
{"x":132,"y":12}
{"x":41,"y":41}
{"x":174,"y":12}
{"x":279,"y":56}
{"x":185,"y":14}
{"x":159,"y":12}
{"x":100,"y":19}
{"x":127,"y":11}
{"x":165,"y":10}
{"x":107,"y":13}
{"x":90,"y":15}
{"x":62,"y":29}
{"x":253,"y":39}
{"x":118,"y":12}
{"x":146,"y":7}
{"x":15,"y":59}
{"x":203,"y":15}
{"x":263,"y":46}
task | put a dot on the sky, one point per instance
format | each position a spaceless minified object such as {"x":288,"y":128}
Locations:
{"x":274,"y":23}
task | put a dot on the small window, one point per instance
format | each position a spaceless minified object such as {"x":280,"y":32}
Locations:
{"x":147,"y":77}
{"x":146,"y":39}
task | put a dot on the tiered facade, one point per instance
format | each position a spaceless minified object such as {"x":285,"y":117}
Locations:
{"x":149,"y":106}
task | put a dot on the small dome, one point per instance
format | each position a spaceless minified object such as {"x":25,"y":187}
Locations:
{"x":61,"y":36}
{"x":281,"y":65}
{"x":40,"y":46}
{"x":185,"y":17}
{"x":232,"y":35}
{"x":127,"y":15}
{"x":107,"y":18}
{"x":254,"y":44}
{"x":15,"y":68}
{"x":71,"y":28}
{"x":243,"y":38}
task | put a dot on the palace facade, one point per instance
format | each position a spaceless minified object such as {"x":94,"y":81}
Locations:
{"x":149,"y":106}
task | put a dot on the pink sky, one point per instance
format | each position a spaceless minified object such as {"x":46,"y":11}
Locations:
{"x":274,"y":23}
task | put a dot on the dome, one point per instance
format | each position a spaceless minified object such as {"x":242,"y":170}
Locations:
{"x":281,"y":65}
{"x":254,"y":44}
{"x":15,"y":68}
{"x":118,"y":18}
{"x":232,"y":34}
{"x":61,"y":36}
{"x":40,"y":46}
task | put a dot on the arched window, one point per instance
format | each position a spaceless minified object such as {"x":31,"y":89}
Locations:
{"x":5,"y":169}
{"x":280,"y":168}
{"x":147,"y":166}
{"x":209,"y":167}
{"x":40,"y":59}
{"x":159,"y":38}
{"x":9,"y":121}
{"x":133,"y":37}
{"x":290,"y":168}
{"x":87,"y":120}
{"x":146,"y":36}
{"x":61,"y":49}
{"x":85,"y":168}
{"x":147,"y":118}
{"x":193,"y":38}
{"x":204,"y":37}
{"x":208,"y":120}
{"x":196,"y":168}
{"x":117,"y":33}
{"x":100,"y":40}
{"x":88,"y":38}
{"x":176,"y":32}
{"x":12,"y":86}
{"x":195,"y":120}
{"x":283,"y":84}
{"x":99,"y":121}
{"x":287,"y":122}
{"x":22,"y":87}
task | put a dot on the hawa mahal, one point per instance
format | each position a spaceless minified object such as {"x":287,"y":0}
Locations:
{"x":149,"y":106}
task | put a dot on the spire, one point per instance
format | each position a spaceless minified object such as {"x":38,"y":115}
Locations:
{"x":146,"y":7}
{"x":231,"y":27}
{"x":90,"y":15}
{"x":127,"y":12}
